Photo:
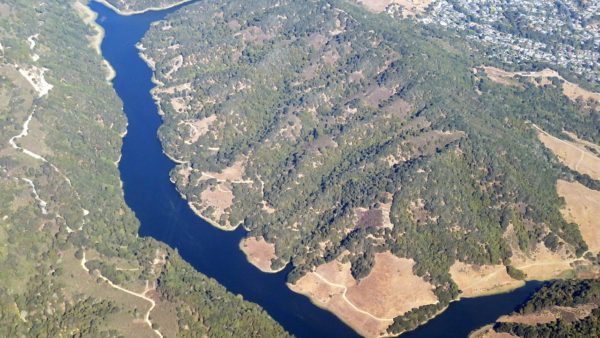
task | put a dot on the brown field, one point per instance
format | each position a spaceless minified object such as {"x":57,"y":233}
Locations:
{"x":475,"y":281}
{"x":583,"y":208}
{"x":543,"y":264}
{"x":546,"y":316}
{"x":219,"y":197}
{"x":259,"y":252}
{"x":368,"y":305}
{"x":570,"y":90}
{"x":573,"y":154}
{"x":489,"y":332}
{"x":573,"y":92}
{"x":410,"y":7}
{"x":232,"y":174}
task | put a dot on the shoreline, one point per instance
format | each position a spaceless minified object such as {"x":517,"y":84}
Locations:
{"x":291,"y":287}
{"x":89,"y":17}
{"x":134,"y":12}
{"x":240,"y":245}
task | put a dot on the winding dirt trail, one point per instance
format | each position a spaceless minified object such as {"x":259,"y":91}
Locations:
{"x":13,"y":143}
{"x":349,"y":302}
{"x":136,"y":294}
{"x":570,"y":145}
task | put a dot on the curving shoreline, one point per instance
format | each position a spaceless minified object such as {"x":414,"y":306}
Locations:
{"x":226,"y":283}
{"x":134,"y":12}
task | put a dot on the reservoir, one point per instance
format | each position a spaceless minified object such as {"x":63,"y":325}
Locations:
{"x":165,"y":216}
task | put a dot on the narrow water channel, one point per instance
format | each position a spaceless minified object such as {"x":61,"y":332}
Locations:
{"x":165,"y":216}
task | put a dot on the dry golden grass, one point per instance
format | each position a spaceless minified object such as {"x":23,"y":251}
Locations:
{"x":475,"y":281}
{"x":489,"y":332}
{"x":218,"y":197}
{"x":550,"y":315}
{"x":368,"y":305}
{"x":573,"y":154}
{"x":543,"y":264}
{"x":583,"y":208}
{"x":259,"y":252}
{"x":410,"y":7}
{"x":232,"y":174}
{"x":574,"y":92}
{"x":570,"y":90}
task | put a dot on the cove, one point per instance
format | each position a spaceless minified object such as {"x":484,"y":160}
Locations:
{"x":165,"y":216}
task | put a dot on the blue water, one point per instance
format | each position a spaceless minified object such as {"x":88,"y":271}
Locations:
{"x":165,"y":216}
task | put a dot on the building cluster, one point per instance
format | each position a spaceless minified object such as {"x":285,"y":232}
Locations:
{"x":560,"y":34}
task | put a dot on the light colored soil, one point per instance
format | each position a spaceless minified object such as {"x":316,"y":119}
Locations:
{"x":410,"y":7}
{"x":89,"y":18}
{"x":219,"y":197}
{"x":550,"y":315}
{"x":259,"y":252}
{"x":573,"y":92}
{"x":489,"y":332}
{"x":377,"y":95}
{"x":570,"y":90}
{"x":35,"y":77}
{"x":199,"y":128}
{"x":368,"y":305}
{"x":542,"y":264}
{"x":572,"y":154}
{"x":583,"y":208}
{"x":233,"y":174}
{"x":475,"y":281}
{"x":127,"y":12}
{"x":175,"y":64}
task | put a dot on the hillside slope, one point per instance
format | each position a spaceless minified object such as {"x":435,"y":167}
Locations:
{"x":346,"y":141}
{"x":71,"y":260}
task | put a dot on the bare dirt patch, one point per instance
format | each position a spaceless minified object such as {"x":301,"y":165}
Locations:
{"x":573,"y":154}
{"x":475,"y":281}
{"x":542,"y":263}
{"x":377,"y":95}
{"x":35,"y":77}
{"x":574,"y":92}
{"x":233,"y":174}
{"x":89,"y":18}
{"x":489,"y":332}
{"x":583,"y":208}
{"x":199,"y":128}
{"x":368,"y":305}
{"x":219,"y":198}
{"x":550,"y":315}
{"x":409,"y":7}
{"x":570,"y":90}
{"x":259,"y":252}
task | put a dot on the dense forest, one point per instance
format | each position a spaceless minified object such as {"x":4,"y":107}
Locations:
{"x":326,"y":129}
{"x":69,"y":245}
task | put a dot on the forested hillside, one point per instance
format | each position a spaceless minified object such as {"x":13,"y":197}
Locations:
{"x":71,"y":260}
{"x":560,"y":309}
{"x":336,"y":137}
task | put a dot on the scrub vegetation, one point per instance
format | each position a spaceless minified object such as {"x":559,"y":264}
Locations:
{"x":71,"y":260}
{"x":335,"y":133}
{"x":559,"y":309}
